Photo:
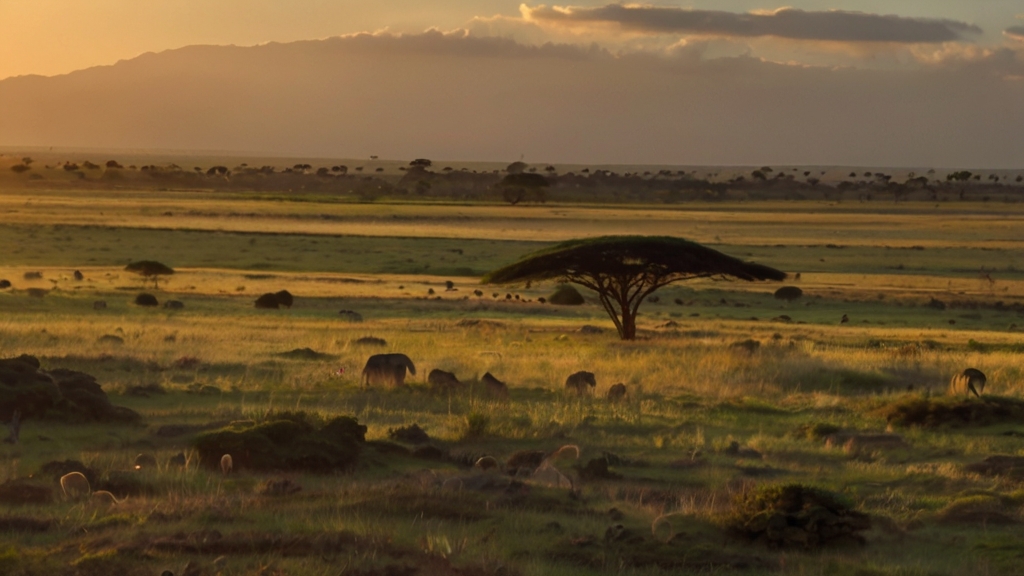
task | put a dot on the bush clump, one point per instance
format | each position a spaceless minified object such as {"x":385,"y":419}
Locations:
{"x":788,"y":293}
{"x":815,"y":431}
{"x":566,"y":295}
{"x":954,"y":412}
{"x":795,"y":515}
{"x":146,"y":299}
{"x":409,"y":434}
{"x":287,"y":442}
{"x":59,"y":394}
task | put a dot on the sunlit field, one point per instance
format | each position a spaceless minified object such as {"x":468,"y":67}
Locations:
{"x":730,"y":389}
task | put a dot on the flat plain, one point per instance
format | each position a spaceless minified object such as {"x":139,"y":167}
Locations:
{"x":731,"y":390}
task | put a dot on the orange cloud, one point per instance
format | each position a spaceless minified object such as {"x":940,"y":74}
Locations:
{"x":790,"y":23}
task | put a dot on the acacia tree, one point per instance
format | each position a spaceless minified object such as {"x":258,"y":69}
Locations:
{"x":623,"y":270}
{"x":523,"y":186}
{"x":150,"y":269}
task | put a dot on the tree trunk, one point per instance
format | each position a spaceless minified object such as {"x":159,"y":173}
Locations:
{"x":628,"y":331}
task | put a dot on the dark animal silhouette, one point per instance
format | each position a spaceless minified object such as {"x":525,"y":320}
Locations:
{"x":441,"y":381}
{"x":494,"y":387}
{"x":844,"y":319}
{"x":617,"y":393}
{"x":387,"y":369}
{"x":581,"y":383}
{"x":970,"y":380}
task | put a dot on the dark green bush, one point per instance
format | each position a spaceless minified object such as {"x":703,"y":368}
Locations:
{"x":935,"y":412}
{"x":288,"y":442}
{"x":796,"y":515}
{"x":566,"y":295}
{"x":145,"y":299}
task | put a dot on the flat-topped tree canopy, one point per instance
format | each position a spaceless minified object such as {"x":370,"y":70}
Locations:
{"x":150,"y":269}
{"x":623,"y":270}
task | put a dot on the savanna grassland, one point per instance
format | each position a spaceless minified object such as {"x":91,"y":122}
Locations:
{"x":730,"y":389}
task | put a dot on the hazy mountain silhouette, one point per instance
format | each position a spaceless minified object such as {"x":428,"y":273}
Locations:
{"x":463,"y":97}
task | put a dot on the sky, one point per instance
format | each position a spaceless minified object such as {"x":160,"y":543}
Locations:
{"x":51,"y":37}
{"x":840,"y":82}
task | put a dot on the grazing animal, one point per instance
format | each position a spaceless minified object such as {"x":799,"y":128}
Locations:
{"x":494,"y":387}
{"x":486,"y":463}
{"x":581,"y":383}
{"x":525,"y":460}
{"x":617,"y":393}
{"x":844,"y":319}
{"x":104,"y":497}
{"x":226,"y":464}
{"x":145,"y":461}
{"x":387,"y":369}
{"x":79,"y":276}
{"x":970,"y":380}
{"x":75,"y":485}
{"x":567,"y":451}
{"x":441,"y":381}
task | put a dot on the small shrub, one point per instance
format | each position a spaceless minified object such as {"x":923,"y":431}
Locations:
{"x":350,"y":316}
{"x":795,"y":515}
{"x":748,"y":345}
{"x":566,"y":295}
{"x":476,"y":425}
{"x":412,"y":434}
{"x":788,"y":293}
{"x":815,"y":431}
{"x":186,"y":363}
{"x":146,"y":299}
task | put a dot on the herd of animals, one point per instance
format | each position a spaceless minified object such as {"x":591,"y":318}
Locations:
{"x":389,"y":370}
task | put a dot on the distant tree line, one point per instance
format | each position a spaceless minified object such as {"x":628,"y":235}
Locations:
{"x":521,"y":184}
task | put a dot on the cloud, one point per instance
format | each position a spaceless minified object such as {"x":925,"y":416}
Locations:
{"x":790,"y":23}
{"x":1015,"y":32}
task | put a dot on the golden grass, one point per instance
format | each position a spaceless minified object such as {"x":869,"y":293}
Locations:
{"x":693,"y":392}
